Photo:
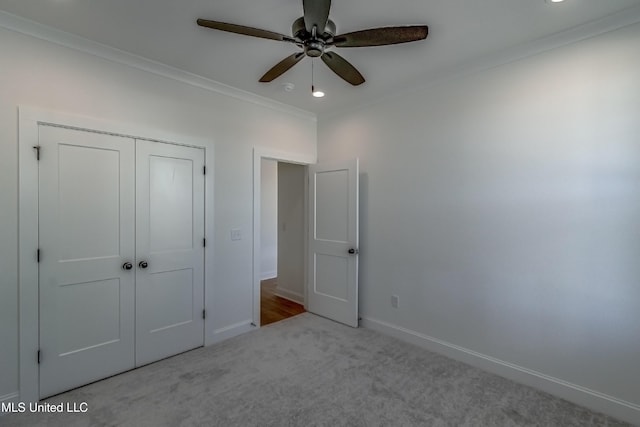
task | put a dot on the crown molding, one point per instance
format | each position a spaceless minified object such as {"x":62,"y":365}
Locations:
{"x":34,"y":29}
{"x":624,"y":18}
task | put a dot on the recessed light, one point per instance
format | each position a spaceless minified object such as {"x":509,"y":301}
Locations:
{"x":554,"y":1}
{"x":318,"y":93}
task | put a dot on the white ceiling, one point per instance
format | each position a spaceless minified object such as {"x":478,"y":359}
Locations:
{"x":461,"y":32}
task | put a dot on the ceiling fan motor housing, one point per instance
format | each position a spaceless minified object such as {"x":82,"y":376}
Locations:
{"x":314,"y":48}
{"x":298,"y":29}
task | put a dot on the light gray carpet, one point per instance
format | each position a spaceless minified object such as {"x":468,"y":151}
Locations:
{"x":309,"y":371}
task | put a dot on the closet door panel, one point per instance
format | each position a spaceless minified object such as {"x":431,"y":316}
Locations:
{"x":170,"y":253}
{"x":86,"y":220}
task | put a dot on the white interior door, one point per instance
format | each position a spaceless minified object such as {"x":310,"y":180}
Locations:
{"x":86,"y":220}
{"x":333,"y":241}
{"x":169,"y":250}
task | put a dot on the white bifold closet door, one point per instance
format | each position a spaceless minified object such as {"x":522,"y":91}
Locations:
{"x":169,"y":239}
{"x":121,"y":271}
{"x":87,"y":233}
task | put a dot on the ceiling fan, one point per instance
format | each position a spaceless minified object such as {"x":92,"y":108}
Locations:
{"x":315,"y":33}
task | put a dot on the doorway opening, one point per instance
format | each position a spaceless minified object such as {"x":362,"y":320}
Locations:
{"x":330,"y":235}
{"x":282,"y":240}
{"x":299,"y":163}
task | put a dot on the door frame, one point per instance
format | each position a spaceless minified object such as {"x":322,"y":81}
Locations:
{"x":260,"y":153}
{"x":29,"y":119}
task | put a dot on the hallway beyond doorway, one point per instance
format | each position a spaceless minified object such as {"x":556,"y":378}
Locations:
{"x":274,"y":308}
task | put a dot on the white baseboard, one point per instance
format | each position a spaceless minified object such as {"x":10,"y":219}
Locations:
{"x":231,"y":331}
{"x":618,"y":408}
{"x":268,"y":275}
{"x":11,"y":397}
{"x":290,"y":295}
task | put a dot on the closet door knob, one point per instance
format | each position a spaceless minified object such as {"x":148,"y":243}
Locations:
{"x":143,"y":264}
{"x":127,"y":266}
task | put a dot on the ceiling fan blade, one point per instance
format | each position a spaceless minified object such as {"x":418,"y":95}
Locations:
{"x":342,"y":68}
{"x":316,"y":13}
{"x":281,"y":67}
{"x":381,"y":36}
{"x":247,"y":31}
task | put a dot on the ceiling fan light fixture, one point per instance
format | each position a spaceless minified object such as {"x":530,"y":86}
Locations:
{"x":317,"y":93}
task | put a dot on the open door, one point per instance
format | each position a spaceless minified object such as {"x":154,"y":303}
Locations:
{"x":333,"y":241}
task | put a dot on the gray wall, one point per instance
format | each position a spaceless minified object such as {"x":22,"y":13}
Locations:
{"x":503,"y":208}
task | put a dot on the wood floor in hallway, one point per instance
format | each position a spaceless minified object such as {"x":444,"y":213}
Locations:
{"x":274,"y":308}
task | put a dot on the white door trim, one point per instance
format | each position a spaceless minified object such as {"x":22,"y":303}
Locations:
{"x":260,"y":153}
{"x":29,"y":118}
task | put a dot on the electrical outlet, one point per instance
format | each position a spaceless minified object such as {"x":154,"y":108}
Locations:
{"x":236,"y":234}
{"x":395,"y":301}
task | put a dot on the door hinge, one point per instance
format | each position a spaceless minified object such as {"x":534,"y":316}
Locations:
{"x":38,"y":255}
{"x":204,"y":242}
{"x":39,"y":357}
{"x":204,"y":170}
{"x":204,"y":314}
{"x":37,"y":148}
